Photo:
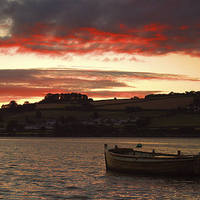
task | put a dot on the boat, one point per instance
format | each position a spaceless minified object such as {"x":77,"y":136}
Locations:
{"x":129,"y":160}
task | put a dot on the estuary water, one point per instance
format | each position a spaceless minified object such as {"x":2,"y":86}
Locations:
{"x":74,"y":168}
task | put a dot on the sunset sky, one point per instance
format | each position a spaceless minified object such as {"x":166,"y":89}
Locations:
{"x":102,"y":48}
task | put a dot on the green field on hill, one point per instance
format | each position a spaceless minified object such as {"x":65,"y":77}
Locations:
{"x":158,"y":104}
{"x":157,"y":113}
{"x":177,"y":120}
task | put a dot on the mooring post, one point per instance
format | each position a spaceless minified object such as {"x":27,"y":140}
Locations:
{"x":105,"y":148}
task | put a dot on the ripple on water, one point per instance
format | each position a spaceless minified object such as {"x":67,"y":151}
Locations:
{"x":72,"y":188}
{"x":56,"y":168}
{"x":78,"y":197}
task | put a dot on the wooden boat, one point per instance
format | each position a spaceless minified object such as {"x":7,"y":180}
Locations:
{"x":139,"y":162}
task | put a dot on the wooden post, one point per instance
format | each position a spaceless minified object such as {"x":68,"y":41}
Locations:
{"x":105,"y":149}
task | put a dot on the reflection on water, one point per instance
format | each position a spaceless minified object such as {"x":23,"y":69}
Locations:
{"x":59,"y":168}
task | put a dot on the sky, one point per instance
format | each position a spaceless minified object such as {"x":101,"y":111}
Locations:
{"x":105,"y":49}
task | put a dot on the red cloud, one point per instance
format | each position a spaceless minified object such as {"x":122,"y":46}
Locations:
{"x":24,"y":92}
{"x":156,"y":27}
{"x":58,"y":27}
{"x":19,"y":92}
{"x":184,"y":27}
{"x":149,"y":39}
{"x":20,"y":84}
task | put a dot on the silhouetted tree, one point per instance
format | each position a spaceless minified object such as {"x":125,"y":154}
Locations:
{"x":13,"y":104}
{"x":12,"y":126}
{"x":63,"y":98}
{"x":28,"y":120}
{"x":196,"y":101}
{"x":130,"y":109}
{"x":38,"y":114}
{"x":28,"y":106}
{"x":95,"y":115}
{"x":62,"y":119}
{"x":1,"y":117}
{"x":143,"y":122}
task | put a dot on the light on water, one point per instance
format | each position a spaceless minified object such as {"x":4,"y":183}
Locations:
{"x":74,"y":168}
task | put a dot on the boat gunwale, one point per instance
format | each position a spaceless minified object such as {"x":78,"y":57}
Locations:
{"x":176,"y":165}
{"x":155,"y":156}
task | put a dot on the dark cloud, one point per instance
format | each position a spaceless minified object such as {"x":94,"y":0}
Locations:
{"x":57,"y":27}
{"x":70,"y":76}
{"x":93,"y":78}
{"x":57,"y":79}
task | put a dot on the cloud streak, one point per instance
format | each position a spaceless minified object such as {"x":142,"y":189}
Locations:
{"x":22,"y":83}
{"x":59,"y":27}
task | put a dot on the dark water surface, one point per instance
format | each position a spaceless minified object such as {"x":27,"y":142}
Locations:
{"x":67,"y":168}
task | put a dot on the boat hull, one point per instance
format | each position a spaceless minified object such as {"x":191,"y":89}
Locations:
{"x":159,"y":166}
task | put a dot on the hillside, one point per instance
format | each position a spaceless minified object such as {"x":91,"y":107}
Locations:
{"x":114,"y":117}
{"x":166,"y":103}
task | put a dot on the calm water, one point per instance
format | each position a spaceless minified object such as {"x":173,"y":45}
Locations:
{"x":57,"y":168}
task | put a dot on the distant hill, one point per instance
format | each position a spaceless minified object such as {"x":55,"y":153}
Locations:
{"x":77,"y":115}
{"x":164,"y":103}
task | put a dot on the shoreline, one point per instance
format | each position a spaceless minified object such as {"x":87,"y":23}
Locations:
{"x":29,"y":135}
